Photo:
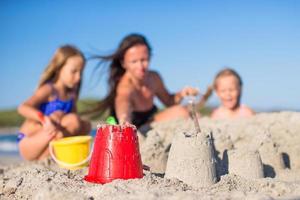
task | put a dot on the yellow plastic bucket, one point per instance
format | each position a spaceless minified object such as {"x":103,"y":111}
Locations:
{"x":71,"y":152}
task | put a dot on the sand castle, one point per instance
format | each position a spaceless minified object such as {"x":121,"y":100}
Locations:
{"x":246,"y":164}
{"x":261,"y":157}
{"x":271,"y":157}
{"x":191,"y":160}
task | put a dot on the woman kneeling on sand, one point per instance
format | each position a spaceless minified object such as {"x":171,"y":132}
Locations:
{"x":132,"y":86}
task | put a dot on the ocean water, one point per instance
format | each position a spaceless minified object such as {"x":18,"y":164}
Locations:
{"x":9,"y":144}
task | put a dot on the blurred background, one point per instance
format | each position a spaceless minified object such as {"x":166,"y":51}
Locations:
{"x":191,"y":41}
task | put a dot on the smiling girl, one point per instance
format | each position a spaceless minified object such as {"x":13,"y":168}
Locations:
{"x":228,"y":86}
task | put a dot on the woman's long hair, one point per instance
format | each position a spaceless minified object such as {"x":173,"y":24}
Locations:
{"x":116,"y":70}
{"x":57,"y":62}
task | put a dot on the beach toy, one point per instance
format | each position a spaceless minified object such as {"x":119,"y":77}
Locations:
{"x":111,"y":120}
{"x":116,"y":154}
{"x":71,"y":152}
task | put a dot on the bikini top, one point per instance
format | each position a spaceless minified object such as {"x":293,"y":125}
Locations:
{"x":141,"y":117}
{"x":57,"y":104}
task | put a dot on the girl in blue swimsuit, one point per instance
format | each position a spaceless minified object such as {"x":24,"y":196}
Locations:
{"x":51,"y":112}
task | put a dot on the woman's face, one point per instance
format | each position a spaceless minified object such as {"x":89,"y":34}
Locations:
{"x":136,"y":61}
{"x":228,"y":90}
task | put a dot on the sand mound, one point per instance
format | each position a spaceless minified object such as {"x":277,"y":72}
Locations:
{"x":275,"y":137}
{"x":247,"y":164}
{"x":191,"y":159}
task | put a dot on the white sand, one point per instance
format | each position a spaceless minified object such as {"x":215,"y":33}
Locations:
{"x":275,"y":136}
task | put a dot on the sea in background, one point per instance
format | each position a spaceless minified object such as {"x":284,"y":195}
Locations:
{"x":8,"y":144}
{"x":9,"y":151}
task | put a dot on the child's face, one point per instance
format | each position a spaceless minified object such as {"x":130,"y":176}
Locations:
{"x":70,"y":73}
{"x":136,"y":61}
{"x":228,"y":90}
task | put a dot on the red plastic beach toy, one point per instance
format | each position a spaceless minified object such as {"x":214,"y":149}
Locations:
{"x":116,"y":155}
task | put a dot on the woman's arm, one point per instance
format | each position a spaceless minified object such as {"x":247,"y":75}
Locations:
{"x":167,"y":98}
{"x":161,"y":91}
{"x":123,"y":106}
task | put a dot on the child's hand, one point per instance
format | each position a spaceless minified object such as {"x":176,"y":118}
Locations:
{"x":49,"y":128}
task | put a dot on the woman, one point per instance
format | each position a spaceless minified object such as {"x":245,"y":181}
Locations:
{"x":132,"y":86}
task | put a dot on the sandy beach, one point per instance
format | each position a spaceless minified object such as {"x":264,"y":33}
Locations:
{"x":253,"y":158}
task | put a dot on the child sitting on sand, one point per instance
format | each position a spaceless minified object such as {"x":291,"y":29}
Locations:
{"x":51,"y":112}
{"x":228,"y":86}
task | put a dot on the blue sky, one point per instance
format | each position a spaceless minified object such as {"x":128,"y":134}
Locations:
{"x":191,"y":40}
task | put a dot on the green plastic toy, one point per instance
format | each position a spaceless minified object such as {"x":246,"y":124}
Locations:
{"x":111,"y":120}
